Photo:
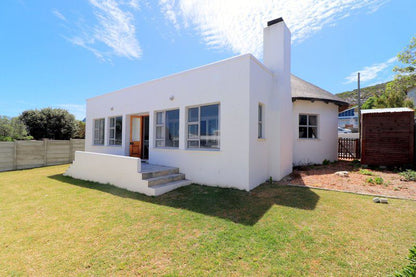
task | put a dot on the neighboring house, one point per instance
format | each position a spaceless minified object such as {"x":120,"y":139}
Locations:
{"x":349,"y":119}
{"x":234,"y":123}
{"x":411,"y":93}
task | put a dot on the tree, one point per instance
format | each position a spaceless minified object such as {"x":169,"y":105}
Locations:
{"x":80,"y":134}
{"x":49,"y":123}
{"x":12,"y":129}
{"x":395,"y":94}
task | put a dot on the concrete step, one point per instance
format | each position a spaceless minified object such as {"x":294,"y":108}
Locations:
{"x":158,"y":173}
{"x":163,"y":188}
{"x":165,"y":179}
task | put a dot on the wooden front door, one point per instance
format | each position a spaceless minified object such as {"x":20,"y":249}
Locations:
{"x":139,"y":136}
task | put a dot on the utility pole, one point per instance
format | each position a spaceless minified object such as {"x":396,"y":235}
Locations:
{"x":359,"y":105}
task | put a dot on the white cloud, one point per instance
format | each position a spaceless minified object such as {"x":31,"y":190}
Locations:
{"x":114,"y":32}
{"x":369,"y":73}
{"x":58,"y":15}
{"x":238,"y":24}
{"x":76,"y":109}
{"x":168,"y":10}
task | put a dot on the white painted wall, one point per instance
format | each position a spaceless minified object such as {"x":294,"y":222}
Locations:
{"x":261,"y":89}
{"x":315,"y":151}
{"x":226,"y":83}
{"x":119,"y":171}
{"x":277,"y":51}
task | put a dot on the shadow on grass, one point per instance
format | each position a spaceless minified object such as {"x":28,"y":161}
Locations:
{"x":238,"y":206}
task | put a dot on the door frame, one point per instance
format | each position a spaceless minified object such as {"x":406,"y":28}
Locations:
{"x":141,"y":116}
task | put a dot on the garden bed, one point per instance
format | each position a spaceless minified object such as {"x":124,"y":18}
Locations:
{"x":374,"y":181}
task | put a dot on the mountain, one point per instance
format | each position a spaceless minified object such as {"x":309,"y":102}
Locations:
{"x":351,"y":96}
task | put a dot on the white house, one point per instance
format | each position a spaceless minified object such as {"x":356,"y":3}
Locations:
{"x":234,"y":123}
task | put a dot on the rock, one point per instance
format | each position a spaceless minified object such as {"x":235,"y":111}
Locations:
{"x":342,"y":173}
{"x":380,"y":200}
{"x":384,"y":201}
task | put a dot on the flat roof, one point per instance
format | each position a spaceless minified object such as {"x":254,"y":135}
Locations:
{"x":387,"y":110}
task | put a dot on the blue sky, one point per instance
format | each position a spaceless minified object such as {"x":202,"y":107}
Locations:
{"x":59,"y":53}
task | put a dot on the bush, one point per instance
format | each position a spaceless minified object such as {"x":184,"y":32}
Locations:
{"x":366,"y":172}
{"x":375,"y":180}
{"x":409,"y":270}
{"x":408,"y":175}
{"x":50,"y":123}
{"x":326,"y":162}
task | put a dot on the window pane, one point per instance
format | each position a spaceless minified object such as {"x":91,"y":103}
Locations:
{"x":172,"y":128}
{"x":209,"y":111}
{"x":303,"y":132}
{"x":209,"y":126}
{"x":193,"y":131}
{"x":119,"y":127}
{"x":193,"y":144}
{"x":302,"y":119}
{"x":193,"y":115}
{"x":160,"y":143}
{"x":159,"y":118}
{"x":210,"y":142}
{"x":260,"y":131}
{"x":112,"y":133}
{"x":260,"y":113}
{"x":313,"y":120}
{"x":112,"y":120}
{"x":313,"y":132}
{"x":159,"y":132}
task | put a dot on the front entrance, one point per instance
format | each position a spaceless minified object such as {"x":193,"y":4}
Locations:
{"x":139,"y":136}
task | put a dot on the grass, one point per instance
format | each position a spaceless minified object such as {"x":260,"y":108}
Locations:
{"x":53,"y":225}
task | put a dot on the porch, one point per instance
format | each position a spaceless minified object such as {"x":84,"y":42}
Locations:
{"x":126,"y":172}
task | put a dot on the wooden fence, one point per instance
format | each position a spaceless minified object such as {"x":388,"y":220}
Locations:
{"x":348,"y":148}
{"x":29,"y":154}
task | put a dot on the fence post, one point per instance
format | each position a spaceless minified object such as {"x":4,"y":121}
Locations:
{"x":15,"y":155}
{"x":71,"y":148}
{"x":45,"y":143}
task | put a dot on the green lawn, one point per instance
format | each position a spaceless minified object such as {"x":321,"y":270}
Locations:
{"x":54,"y":225}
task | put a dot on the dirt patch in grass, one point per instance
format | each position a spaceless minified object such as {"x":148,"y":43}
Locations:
{"x":378,"y":181}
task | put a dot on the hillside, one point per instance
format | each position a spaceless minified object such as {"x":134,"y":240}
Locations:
{"x":351,"y":96}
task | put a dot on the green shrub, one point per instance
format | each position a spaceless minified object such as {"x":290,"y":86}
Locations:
{"x":5,"y":138}
{"x":408,"y":175}
{"x":375,"y":180}
{"x":366,"y":172}
{"x":326,"y":162}
{"x":410,"y":269}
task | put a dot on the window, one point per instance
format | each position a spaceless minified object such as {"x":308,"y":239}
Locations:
{"x":260,"y":124}
{"x":308,"y":126}
{"x":167,"y":128}
{"x":203,"y":129}
{"x":116,"y":125}
{"x":99,"y":131}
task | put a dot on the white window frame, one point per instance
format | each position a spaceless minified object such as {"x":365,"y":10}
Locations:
{"x":162,"y":125}
{"x":198,"y":123}
{"x":97,"y":130}
{"x":113,"y":141}
{"x":309,"y":126}
{"x":260,"y":125}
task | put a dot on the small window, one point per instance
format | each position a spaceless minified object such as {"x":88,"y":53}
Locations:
{"x":167,"y":128}
{"x":99,"y":131}
{"x":203,"y":129}
{"x":116,"y":126}
{"x":308,"y":126}
{"x":260,"y":121}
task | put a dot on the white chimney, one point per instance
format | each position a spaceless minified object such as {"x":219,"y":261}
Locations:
{"x":276,"y":47}
{"x":276,"y":57}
